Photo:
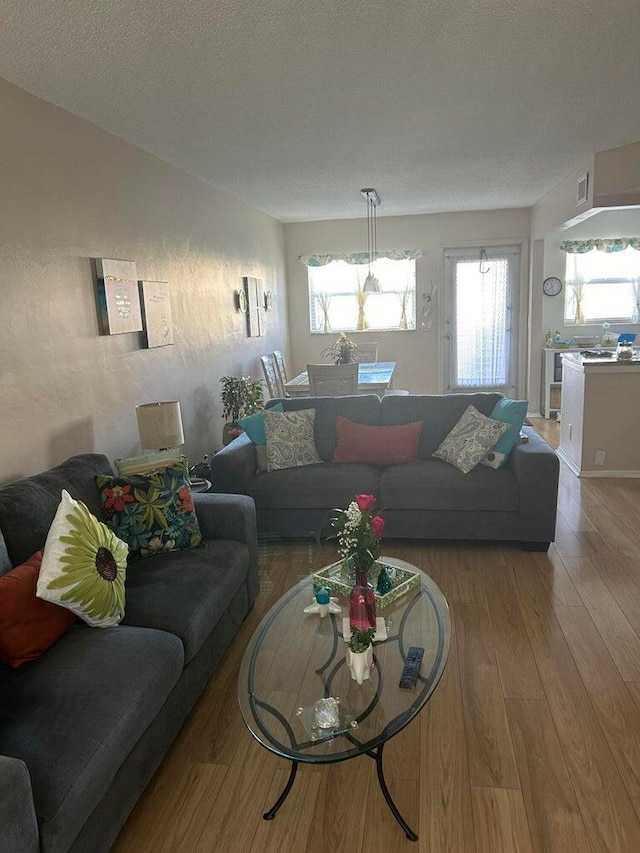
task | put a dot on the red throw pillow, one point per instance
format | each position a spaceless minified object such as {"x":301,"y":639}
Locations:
{"x":377,"y":445}
{"x":28,"y":625}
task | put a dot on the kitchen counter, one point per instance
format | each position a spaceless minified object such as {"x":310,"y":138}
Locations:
{"x":600,"y":416}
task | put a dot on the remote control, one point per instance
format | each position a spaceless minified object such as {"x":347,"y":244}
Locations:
{"x":411,"y":667}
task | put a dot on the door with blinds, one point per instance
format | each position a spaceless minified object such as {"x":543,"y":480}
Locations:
{"x":481,"y":289}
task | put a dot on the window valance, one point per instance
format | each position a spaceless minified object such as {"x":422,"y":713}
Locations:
{"x":360,"y":257}
{"x":619,"y":244}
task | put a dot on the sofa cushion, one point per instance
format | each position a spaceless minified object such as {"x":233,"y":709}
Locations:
{"x":290,"y":439}
{"x":470,"y":439}
{"x":376,"y":445}
{"x":186,"y":593}
{"x":84,"y":566}
{"x":313,"y":486}
{"x":253,"y":425}
{"x":512,"y":412}
{"x":28,"y":506}
{"x":75,"y":714}
{"x":440,"y":414}
{"x":431,"y":484}
{"x":152,"y":513}
{"x":364,"y":409}
{"x":28,"y":626}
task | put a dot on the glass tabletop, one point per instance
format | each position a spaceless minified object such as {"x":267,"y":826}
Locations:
{"x":294,"y":660}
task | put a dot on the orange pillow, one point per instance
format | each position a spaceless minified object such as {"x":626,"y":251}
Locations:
{"x":377,"y":445}
{"x":28,"y":625}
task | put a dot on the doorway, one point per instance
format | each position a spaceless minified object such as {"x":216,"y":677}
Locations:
{"x":481,"y":309}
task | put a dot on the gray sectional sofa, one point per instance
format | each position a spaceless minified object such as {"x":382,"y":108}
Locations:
{"x":84,"y":727}
{"x":426,"y":499}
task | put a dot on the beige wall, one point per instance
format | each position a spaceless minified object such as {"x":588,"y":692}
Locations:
{"x":417,"y":353}
{"x":71,"y":192}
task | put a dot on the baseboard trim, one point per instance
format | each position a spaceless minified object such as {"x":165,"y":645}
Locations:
{"x":629,"y":475}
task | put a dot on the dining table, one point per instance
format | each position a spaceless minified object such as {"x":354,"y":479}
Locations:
{"x":374,"y":377}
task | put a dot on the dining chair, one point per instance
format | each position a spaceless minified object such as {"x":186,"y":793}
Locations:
{"x":333,"y":380}
{"x":368,"y":352}
{"x":281,"y":365}
{"x":271,"y":376}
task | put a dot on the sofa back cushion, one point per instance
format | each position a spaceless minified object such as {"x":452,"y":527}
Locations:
{"x":363,"y":409}
{"x":28,"y":506}
{"x":439,"y":412}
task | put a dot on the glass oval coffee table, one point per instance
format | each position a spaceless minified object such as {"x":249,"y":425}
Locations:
{"x":296,"y":694}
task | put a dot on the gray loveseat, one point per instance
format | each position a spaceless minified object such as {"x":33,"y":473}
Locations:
{"x":84,"y":727}
{"x":425,"y":499}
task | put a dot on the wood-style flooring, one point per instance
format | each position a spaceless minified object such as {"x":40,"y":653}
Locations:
{"x":531,"y":741}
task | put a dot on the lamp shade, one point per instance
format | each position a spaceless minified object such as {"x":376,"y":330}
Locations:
{"x":160,"y":425}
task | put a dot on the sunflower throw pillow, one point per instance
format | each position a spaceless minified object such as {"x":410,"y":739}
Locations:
{"x":84,"y":566}
{"x":152,"y":513}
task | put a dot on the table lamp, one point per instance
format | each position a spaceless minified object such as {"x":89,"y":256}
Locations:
{"x":160,"y":425}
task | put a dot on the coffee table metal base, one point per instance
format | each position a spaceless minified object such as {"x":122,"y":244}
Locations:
{"x":376,"y":754}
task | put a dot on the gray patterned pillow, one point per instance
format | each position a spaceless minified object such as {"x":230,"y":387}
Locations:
{"x":290,"y":438}
{"x":470,"y":439}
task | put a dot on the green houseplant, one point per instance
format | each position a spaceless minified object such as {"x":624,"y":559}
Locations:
{"x":342,"y":350}
{"x":360,"y":653}
{"x":241,"y":396}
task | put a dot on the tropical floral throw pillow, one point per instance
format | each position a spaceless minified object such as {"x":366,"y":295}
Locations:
{"x":84,"y":566}
{"x":153,"y":513}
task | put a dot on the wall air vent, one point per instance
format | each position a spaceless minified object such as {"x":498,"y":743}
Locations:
{"x":583,"y":189}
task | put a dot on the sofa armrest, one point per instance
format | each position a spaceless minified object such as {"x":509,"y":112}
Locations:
{"x":537,"y":468}
{"x":233,"y":467}
{"x":18,"y":824}
{"x":229,"y":517}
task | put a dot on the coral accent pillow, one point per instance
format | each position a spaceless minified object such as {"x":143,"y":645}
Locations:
{"x":376,"y":445}
{"x":28,"y":626}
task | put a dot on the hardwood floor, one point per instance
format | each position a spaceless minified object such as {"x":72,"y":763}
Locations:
{"x":531,"y":741}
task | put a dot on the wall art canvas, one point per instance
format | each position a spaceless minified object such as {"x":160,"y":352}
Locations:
{"x":256,"y":321}
{"x":118,"y":296}
{"x":156,"y":304}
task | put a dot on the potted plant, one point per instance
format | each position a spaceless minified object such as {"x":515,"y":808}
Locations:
{"x":360,"y":653}
{"x":342,"y":350}
{"x":240,"y":396}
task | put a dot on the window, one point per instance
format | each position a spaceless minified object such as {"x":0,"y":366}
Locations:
{"x":602,"y":285}
{"x":337,"y":301}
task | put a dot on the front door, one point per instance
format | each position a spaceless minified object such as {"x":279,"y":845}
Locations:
{"x":481,"y":289}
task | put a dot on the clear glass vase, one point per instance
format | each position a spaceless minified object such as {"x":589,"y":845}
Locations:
{"x":362,"y":602}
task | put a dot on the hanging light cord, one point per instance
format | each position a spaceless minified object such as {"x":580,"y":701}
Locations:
{"x":371,"y":229}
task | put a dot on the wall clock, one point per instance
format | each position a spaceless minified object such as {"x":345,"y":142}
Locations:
{"x":552,"y":286}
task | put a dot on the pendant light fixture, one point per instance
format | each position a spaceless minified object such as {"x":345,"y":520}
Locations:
{"x":371,"y":283}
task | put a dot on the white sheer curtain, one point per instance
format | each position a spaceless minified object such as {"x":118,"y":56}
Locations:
{"x":481,"y":323}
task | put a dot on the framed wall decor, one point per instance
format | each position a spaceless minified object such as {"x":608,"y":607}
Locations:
{"x":118,"y":297}
{"x":256,"y":315}
{"x":156,"y":305}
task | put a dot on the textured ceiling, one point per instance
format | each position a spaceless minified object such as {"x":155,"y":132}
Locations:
{"x":294,"y":105}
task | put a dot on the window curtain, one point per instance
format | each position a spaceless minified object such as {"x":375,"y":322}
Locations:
{"x":361,"y":298}
{"x":482,"y":308}
{"x":619,"y":244}
{"x":575,"y":282}
{"x":359,"y":257}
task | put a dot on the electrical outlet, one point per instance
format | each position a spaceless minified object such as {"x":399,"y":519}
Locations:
{"x":600,"y":457}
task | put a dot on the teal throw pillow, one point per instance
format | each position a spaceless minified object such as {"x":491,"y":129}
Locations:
{"x":512,"y":412}
{"x":253,"y":425}
{"x":152,"y":513}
